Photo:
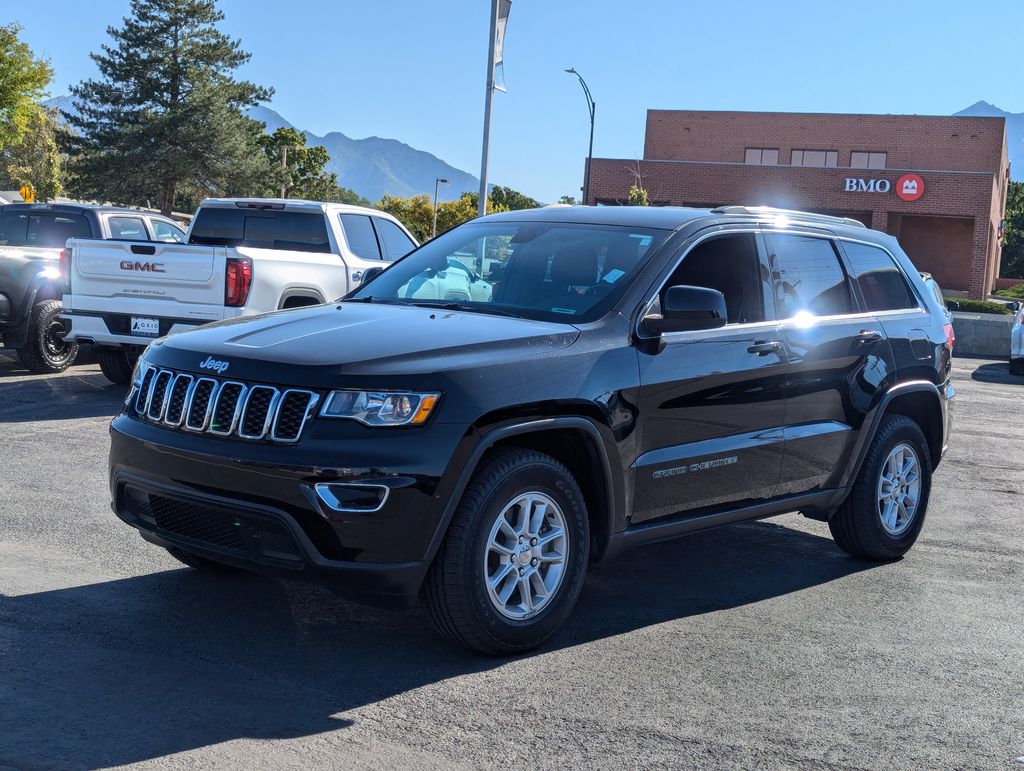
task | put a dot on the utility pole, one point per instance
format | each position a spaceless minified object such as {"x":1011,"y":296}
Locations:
{"x":437,"y":181}
{"x":487,"y":107}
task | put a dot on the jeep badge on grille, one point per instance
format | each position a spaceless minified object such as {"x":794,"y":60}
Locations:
{"x":220,"y":367}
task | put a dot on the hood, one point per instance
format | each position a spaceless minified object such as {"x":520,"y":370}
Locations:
{"x":308,"y":345}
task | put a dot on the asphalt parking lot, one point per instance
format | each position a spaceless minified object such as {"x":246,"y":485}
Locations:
{"x":760,"y":645}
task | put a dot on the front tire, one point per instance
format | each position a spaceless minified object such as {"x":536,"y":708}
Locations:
{"x":884,"y":513}
{"x":46,"y":351}
{"x":1017,"y":366}
{"x":513,"y":562}
{"x":116,"y":364}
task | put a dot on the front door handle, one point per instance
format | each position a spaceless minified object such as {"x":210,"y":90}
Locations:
{"x":869,"y":336}
{"x":764,"y":347}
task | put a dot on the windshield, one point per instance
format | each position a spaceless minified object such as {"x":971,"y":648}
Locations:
{"x":549,"y":271}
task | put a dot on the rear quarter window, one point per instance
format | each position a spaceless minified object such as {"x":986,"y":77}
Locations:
{"x":882,"y":284}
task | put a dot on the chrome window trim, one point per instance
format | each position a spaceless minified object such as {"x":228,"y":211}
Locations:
{"x":185,"y":401}
{"x":314,"y":400}
{"x":271,"y":411}
{"x":234,"y":415}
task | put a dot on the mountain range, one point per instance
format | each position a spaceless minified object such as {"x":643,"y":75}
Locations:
{"x":1014,"y":133}
{"x":375,"y":165}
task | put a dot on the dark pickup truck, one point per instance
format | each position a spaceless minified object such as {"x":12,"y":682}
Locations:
{"x":33,"y":280}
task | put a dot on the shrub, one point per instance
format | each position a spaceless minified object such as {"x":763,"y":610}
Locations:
{"x":1016,"y":291}
{"x":978,"y":306}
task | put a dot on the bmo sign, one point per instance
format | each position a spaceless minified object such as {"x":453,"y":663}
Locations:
{"x":856,"y":185}
{"x":909,"y":187}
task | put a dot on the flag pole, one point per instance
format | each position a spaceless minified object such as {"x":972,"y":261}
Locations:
{"x":487,"y":108}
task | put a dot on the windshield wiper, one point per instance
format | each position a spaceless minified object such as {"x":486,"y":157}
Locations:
{"x":454,"y":306}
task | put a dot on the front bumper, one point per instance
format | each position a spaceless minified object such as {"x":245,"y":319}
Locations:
{"x":254,"y":505}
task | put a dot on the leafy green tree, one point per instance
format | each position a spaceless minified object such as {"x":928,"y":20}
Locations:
{"x":507,"y":199}
{"x":166,"y":112}
{"x":1012,"y":265}
{"x":304,"y":175}
{"x":568,"y":199}
{"x":35,"y":159}
{"x":637,"y":196}
{"x":23,"y":81}
{"x":417,"y":212}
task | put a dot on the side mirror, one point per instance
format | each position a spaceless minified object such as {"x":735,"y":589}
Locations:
{"x":1014,"y":306}
{"x":370,"y":274}
{"x":688,"y":308}
{"x":953,"y":305}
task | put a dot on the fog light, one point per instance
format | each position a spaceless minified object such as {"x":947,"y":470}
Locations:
{"x":343,"y":496}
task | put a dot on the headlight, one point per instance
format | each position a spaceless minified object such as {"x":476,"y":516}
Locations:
{"x":380,"y":408}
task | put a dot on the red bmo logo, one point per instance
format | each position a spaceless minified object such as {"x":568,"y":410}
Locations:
{"x":910,"y":187}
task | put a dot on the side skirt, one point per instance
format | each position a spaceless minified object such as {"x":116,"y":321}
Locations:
{"x":817,"y":505}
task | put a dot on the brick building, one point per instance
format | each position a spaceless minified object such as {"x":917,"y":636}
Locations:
{"x":936,"y":183}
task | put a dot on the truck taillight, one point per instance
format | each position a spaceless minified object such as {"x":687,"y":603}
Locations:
{"x":65,"y":262}
{"x":950,"y":336}
{"x":238,"y":281}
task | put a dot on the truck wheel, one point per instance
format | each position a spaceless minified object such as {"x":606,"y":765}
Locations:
{"x":201,"y":563}
{"x":884,"y":513}
{"x":1017,"y":366}
{"x":46,"y":350}
{"x":117,"y":365}
{"x":513,"y":561}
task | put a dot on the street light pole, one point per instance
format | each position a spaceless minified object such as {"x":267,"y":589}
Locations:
{"x":591,"y":108}
{"x":437,"y":181}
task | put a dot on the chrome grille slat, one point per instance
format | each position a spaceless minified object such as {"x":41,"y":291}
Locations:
{"x":227,"y":409}
{"x":291,"y":399}
{"x":255,"y":420}
{"x":158,"y":395}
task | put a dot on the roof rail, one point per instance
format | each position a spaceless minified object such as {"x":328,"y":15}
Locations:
{"x":789,"y":213}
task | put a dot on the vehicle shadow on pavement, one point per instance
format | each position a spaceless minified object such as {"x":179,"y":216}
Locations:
{"x":135,"y":669}
{"x":78,"y":393}
{"x":997,"y":372}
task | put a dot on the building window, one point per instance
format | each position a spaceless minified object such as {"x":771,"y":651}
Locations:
{"x":862,"y":160}
{"x":757,"y":156}
{"x":828,"y":158}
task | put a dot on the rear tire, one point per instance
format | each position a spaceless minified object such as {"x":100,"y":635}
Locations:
{"x":1017,"y":366}
{"x":513,"y":561}
{"x":116,"y":364}
{"x":201,"y":563}
{"x":877,"y":520}
{"x":46,"y":351}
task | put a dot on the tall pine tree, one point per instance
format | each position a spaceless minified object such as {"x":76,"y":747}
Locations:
{"x":165,"y":120}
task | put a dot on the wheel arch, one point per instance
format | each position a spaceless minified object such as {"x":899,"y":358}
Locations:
{"x":576,"y":442}
{"x":299,"y":298}
{"x":920,"y":401}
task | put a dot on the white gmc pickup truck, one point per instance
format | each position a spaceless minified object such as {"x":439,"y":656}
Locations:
{"x":242,"y":257}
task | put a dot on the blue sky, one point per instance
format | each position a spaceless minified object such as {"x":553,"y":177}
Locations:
{"x":414,"y":70}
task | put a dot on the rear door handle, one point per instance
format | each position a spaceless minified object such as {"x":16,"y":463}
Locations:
{"x":764,"y":347}
{"x":869,"y":336}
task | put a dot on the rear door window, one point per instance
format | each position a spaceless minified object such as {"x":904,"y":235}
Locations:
{"x":52,"y":231}
{"x":808,"y":277}
{"x":165,"y":231}
{"x":394,"y":240}
{"x":882,"y":285}
{"x":360,"y":236}
{"x":270,"y":229}
{"x":127,"y":228}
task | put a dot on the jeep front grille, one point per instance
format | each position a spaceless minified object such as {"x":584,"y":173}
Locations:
{"x":224,"y":408}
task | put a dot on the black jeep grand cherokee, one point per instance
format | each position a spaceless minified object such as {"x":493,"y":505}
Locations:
{"x":536,"y":390}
